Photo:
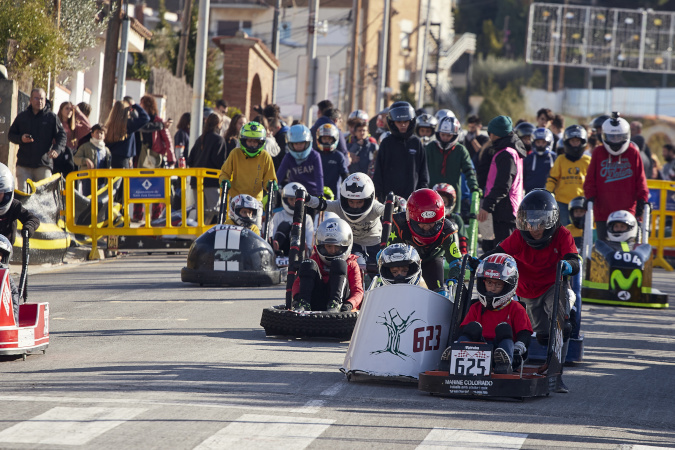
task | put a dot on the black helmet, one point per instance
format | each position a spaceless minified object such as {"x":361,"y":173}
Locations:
{"x":575,"y":131}
{"x":596,"y":124}
{"x":401,"y":112}
{"x":524,"y":129}
{"x":577,"y":203}
{"x":538,"y":210}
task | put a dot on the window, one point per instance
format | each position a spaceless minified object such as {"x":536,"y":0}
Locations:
{"x":406,"y":27}
{"x":227,"y":27}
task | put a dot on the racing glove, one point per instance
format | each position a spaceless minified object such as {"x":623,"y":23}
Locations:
{"x":346,"y":307}
{"x":275,"y":185}
{"x":639,"y":208}
{"x":586,"y":200}
{"x":567,"y":269}
{"x":473,"y":263}
{"x":225,"y":183}
{"x":480,"y":192}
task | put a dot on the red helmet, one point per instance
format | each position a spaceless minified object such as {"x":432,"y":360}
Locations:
{"x":447,"y":191}
{"x":425,"y":206}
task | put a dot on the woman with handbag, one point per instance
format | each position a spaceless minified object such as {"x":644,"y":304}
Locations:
{"x":209,"y":152}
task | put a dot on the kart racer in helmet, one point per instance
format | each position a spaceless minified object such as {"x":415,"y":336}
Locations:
{"x":5,"y":256}
{"x":301,"y":164}
{"x":449,"y":196}
{"x":538,"y":163}
{"x":244,"y":211}
{"x":496,"y":318}
{"x":577,"y":209}
{"x":622,"y":227}
{"x":12,"y":209}
{"x":425,"y":127}
{"x":537,"y":245}
{"x":330,"y":280}
{"x":616,"y":178}
{"x":282,"y":221}
{"x":400,"y":264}
{"x":524,"y":131}
{"x":335,"y":165}
{"x":424,"y":227}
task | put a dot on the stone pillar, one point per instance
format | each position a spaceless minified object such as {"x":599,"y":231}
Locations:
{"x":9,"y":94}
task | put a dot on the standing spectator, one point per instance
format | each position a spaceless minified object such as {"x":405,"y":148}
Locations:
{"x":40,"y":137}
{"x":331,"y":115}
{"x":401,"y":163}
{"x":279,"y":133}
{"x":645,"y":152}
{"x":232,"y":134}
{"x":93,"y":154}
{"x":181,"y":140}
{"x":537,"y":164}
{"x":354,"y":118}
{"x":668,"y":169}
{"x":616,"y":178}
{"x":158,"y":141}
{"x":362,"y":149}
{"x":334,"y":164}
{"x":504,"y":188}
{"x":595,"y":131}
{"x":544,"y":118}
{"x":82,"y":136}
{"x":447,"y":159}
{"x":222,"y":108}
{"x":209,"y":152}
{"x":566,"y":179}
{"x":121,"y":126}
{"x":557,"y":127}
{"x":68,"y":115}
{"x":473,"y":140}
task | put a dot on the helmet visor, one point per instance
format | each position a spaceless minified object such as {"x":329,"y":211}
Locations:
{"x":401,"y":114}
{"x":527,"y":220}
{"x":427,"y":229}
{"x":615,"y":138}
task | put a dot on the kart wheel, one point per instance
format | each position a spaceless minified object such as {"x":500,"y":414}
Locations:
{"x":277,"y":320}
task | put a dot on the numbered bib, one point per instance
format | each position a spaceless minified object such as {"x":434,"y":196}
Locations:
{"x":470,"y":359}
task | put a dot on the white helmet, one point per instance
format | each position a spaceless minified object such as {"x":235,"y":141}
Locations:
{"x":7,"y":188}
{"x":289,"y":192}
{"x":449,"y":125}
{"x":5,"y":252}
{"x":616,"y":135}
{"x":357,"y":186}
{"x":625,"y":218}
{"x":244,"y":201}
{"x":444,"y":113}
{"x":335,"y":232}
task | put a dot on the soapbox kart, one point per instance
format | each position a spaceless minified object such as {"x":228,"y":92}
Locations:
{"x":617,"y":273}
{"x":31,"y":334}
{"x":281,"y":319}
{"x":465,"y":367}
{"x":232,"y":255}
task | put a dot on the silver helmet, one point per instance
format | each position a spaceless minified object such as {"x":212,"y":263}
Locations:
{"x":6,"y":188}
{"x":244,"y":201}
{"x":334,"y":231}
{"x":400,"y":255}
{"x":289,"y":192}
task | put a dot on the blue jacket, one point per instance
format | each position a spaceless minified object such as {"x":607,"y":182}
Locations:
{"x":334,"y":167}
{"x":536,"y":168}
{"x":127,"y":147}
{"x":309,"y":173}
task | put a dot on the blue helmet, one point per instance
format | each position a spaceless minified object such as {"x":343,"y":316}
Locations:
{"x":542,"y":134}
{"x":299,"y":133}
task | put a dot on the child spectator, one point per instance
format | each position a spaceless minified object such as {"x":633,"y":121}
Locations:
{"x":244,"y":211}
{"x":330,"y":280}
{"x":497,"y":319}
{"x":362,"y":148}
{"x":355,"y":117}
{"x":566,"y":179}
{"x":401,"y":163}
{"x":248,"y":168}
{"x":537,"y":164}
{"x":334,"y":164}
{"x":283,"y":221}
{"x":93,"y":154}
{"x":301,"y":164}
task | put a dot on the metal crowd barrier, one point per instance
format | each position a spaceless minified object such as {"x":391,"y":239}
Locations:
{"x":662,"y":198}
{"x":90,"y":216}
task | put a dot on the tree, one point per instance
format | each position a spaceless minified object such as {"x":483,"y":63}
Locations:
{"x":82,"y":26}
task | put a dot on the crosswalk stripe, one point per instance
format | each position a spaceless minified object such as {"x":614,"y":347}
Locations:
{"x":650,"y":447}
{"x":254,"y":431}
{"x":68,"y":426}
{"x":470,"y":440}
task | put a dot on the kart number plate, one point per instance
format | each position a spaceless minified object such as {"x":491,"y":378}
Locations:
{"x":282,"y":261}
{"x":470,"y":359}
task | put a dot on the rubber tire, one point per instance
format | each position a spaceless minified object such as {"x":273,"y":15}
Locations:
{"x":277,"y":320}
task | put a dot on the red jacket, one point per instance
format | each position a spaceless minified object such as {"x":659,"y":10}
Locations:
{"x":615,"y":182}
{"x":514,"y":314}
{"x":353,"y":278}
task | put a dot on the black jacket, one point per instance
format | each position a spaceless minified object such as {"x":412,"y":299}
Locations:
{"x":45,"y":128}
{"x":8,"y":221}
{"x":208,"y":152}
{"x":497,"y":201}
{"x":401,"y":167}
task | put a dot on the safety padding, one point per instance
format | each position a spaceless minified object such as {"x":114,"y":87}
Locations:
{"x":233,"y":256}
{"x":50,"y":242}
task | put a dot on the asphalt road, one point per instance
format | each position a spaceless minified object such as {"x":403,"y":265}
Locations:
{"x":138,"y":359}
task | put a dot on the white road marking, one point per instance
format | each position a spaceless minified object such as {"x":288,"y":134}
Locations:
{"x":334,"y":389}
{"x":311,"y":407}
{"x":469,"y":439}
{"x":253,"y":431}
{"x":650,"y":447}
{"x":89,"y":400}
{"x":157,"y":302}
{"x":68,"y":426}
{"x":119,"y":318}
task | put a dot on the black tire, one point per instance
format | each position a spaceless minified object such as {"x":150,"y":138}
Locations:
{"x":277,"y":320}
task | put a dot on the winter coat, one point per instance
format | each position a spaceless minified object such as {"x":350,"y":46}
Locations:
{"x":45,"y":129}
{"x":8,"y":221}
{"x":447,"y":166}
{"x":536,"y":168}
{"x":334,"y":166}
{"x":126,"y":148}
{"x":209,"y":153}
{"x":503,"y":190}
{"x":401,"y":167}
{"x":90,"y":151}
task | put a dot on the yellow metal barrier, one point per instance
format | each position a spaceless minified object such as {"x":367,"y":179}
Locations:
{"x":662,"y":198}
{"x":145,"y":186}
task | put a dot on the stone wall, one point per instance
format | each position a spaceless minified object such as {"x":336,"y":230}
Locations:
{"x":177,"y":92}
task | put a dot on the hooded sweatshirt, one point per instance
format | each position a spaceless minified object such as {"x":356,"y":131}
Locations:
{"x":615,"y":182}
{"x":400,"y":166}
{"x":536,"y":168}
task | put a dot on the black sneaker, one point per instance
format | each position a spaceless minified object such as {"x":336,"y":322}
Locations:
{"x":561,"y":388}
{"x":301,"y":306}
{"x":502,"y":361}
{"x":334,"y":307}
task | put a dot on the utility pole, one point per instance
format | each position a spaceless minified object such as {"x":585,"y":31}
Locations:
{"x":184,"y":37}
{"x":382,"y":64}
{"x":275,"y":46}
{"x":310,"y":90}
{"x":200,"y":72}
{"x":423,"y":68}
{"x":122,"y":58}
{"x":354,"y":67}
{"x":109,"y":61}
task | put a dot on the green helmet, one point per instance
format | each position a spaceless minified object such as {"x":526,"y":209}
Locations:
{"x":252,"y":130}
